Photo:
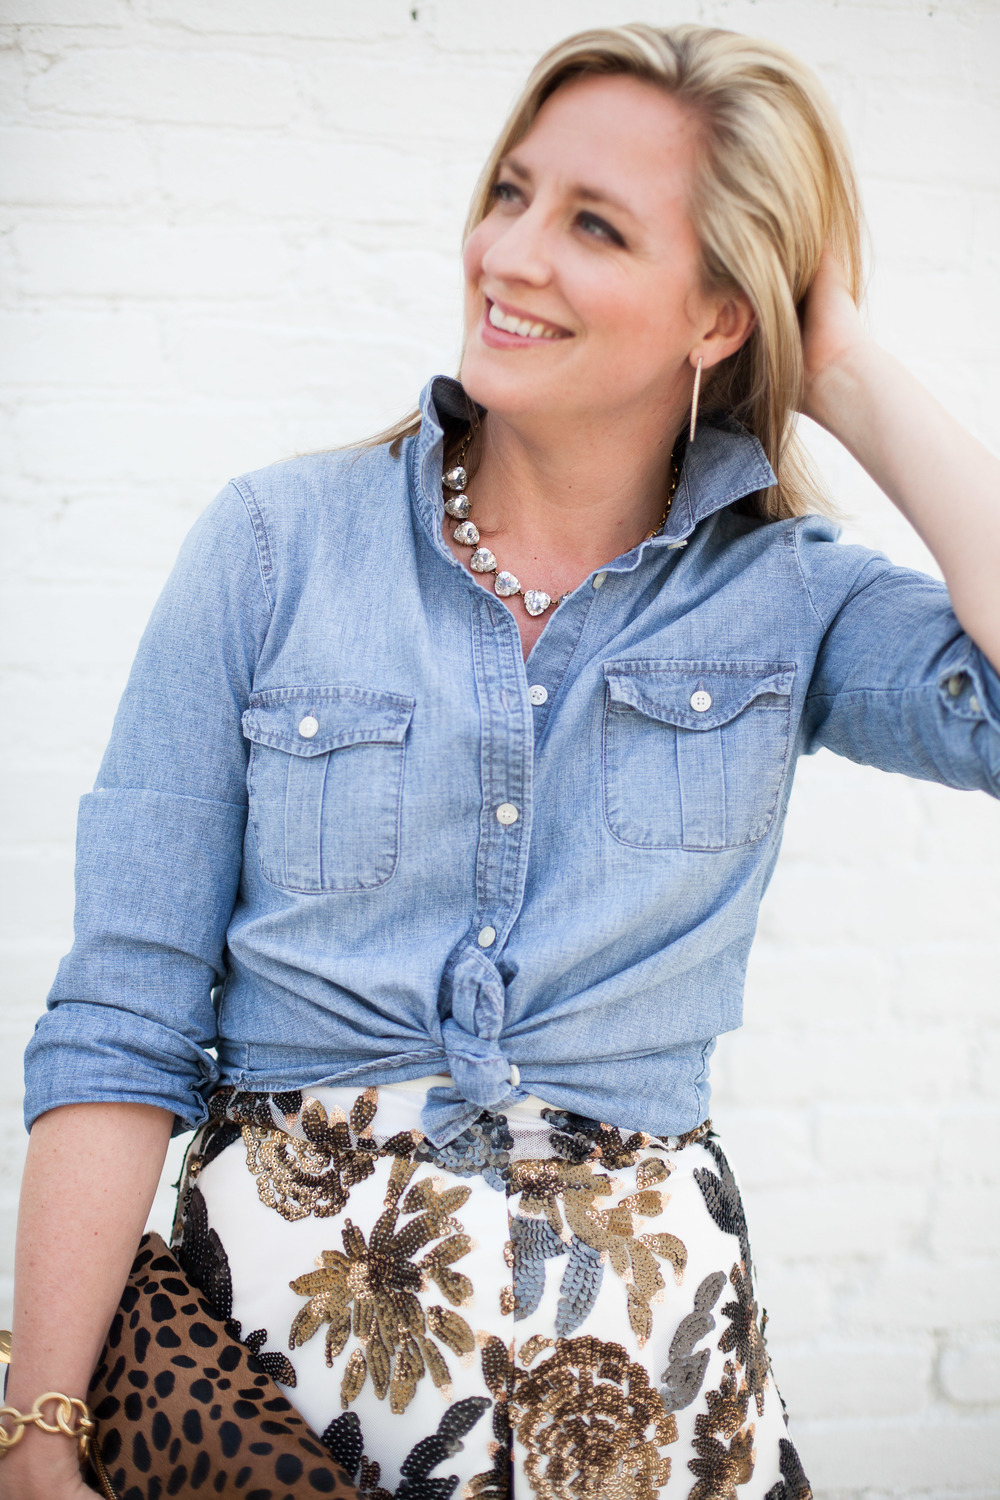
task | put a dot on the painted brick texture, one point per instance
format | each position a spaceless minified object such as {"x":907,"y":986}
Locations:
{"x":228,"y":232}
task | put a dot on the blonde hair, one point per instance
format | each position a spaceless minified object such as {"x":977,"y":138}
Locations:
{"x":774,"y":183}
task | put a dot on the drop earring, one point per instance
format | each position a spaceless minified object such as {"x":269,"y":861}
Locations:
{"x":694,"y":401}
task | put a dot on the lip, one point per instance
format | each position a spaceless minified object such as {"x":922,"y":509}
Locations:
{"x":499,"y":338}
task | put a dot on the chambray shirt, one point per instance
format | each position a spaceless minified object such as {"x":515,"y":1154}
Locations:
{"x":343,"y":834}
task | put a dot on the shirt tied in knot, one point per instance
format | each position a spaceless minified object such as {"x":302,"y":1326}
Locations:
{"x":481,"y":1073}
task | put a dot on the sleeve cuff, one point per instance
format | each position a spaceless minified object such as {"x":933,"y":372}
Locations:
{"x":88,"y":1053}
{"x":969,"y":689}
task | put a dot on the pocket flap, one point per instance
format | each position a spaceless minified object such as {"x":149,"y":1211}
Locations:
{"x":313,"y":721}
{"x":696,"y":694}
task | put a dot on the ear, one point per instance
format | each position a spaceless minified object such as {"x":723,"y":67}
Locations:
{"x":734,"y":321}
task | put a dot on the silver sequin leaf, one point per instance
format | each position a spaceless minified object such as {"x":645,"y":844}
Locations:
{"x":580,"y":1285}
{"x":534,"y":1243}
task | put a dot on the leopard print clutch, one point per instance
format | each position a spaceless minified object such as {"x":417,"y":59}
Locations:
{"x":182,"y":1405}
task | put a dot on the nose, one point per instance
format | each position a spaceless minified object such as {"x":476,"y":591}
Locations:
{"x":520,"y":253}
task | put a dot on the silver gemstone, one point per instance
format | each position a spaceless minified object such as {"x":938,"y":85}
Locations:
{"x":482,"y":561}
{"x":506,"y":584}
{"x":458,"y":506}
{"x":536,"y":602}
{"x":467,"y":534}
{"x":455,"y":479}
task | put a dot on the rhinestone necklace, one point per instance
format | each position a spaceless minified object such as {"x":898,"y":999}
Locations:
{"x":466,"y":533}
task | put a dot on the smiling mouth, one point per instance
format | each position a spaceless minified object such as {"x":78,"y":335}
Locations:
{"x":525,"y":328}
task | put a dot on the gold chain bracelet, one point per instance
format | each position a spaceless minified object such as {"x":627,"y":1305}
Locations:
{"x":66,"y":1408}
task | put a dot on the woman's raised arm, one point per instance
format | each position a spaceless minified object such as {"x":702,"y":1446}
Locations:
{"x":89,"y":1180}
{"x":942,"y":479}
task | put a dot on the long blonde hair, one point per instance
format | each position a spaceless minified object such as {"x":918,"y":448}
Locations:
{"x":774,"y":184}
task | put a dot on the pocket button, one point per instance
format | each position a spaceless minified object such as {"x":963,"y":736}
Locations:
{"x":700,"y":701}
{"x":308,"y":727}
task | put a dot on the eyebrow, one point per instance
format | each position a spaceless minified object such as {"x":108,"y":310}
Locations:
{"x":580,"y":189}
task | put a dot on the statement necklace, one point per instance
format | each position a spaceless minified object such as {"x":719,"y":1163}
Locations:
{"x":466,"y":533}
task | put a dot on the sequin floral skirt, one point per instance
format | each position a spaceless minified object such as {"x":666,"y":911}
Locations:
{"x":546,"y":1307}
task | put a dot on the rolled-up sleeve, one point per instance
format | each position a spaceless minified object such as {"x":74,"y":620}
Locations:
{"x":897,"y":682}
{"x":130,"y":1016}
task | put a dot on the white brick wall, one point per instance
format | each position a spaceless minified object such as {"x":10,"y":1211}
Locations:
{"x":228,"y":233}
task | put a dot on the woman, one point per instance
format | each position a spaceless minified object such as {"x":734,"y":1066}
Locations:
{"x":443,"y":794}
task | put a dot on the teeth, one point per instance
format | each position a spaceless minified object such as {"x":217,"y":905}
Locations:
{"x":524,"y":327}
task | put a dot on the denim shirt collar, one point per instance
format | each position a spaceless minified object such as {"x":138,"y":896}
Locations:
{"x":724,"y":464}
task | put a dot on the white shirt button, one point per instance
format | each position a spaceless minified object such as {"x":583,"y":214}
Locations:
{"x":487,"y":936}
{"x":956,"y":684}
{"x":515,"y":1074}
{"x":308,"y":727}
{"x":507,"y":813}
{"x":700,"y":701}
{"x":538,"y":694}
{"x":974,"y":703}
{"x":599,"y":580}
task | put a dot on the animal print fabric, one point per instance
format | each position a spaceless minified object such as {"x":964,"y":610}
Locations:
{"x":547,"y":1307}
{"x":182,"y":1406}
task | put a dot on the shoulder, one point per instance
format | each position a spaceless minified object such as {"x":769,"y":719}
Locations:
{"x":810,"y":542}
{"x":822,"y":553}
{"x":321,"y":480}
{"x":810,"y":554}
{"x":322,"y":504}
{"x":837,"y":573}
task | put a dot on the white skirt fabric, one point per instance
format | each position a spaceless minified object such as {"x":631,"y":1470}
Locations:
{"x":547,"y":1307}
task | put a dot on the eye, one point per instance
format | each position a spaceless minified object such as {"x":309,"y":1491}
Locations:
{"x":600,"y":229}
{"x":505,"y":192}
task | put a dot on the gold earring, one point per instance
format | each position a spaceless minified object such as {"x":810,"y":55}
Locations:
{"x":694,"y":401}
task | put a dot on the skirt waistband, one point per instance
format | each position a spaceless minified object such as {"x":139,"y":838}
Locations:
{"x":387,"y":1119}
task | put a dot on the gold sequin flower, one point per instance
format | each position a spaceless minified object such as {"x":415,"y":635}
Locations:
{"x":372,"y":1287}
{"x":591,"y":1424}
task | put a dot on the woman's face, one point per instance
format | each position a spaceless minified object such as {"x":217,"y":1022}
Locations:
{"x":583,"y":291}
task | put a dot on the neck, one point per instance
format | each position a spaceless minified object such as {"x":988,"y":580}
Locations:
{"x":591,"y":493}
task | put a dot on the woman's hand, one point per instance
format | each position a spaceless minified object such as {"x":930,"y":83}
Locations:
{"x":44,"y":1486}
{"x":832,"y":331}
{"x":36,"y":1471}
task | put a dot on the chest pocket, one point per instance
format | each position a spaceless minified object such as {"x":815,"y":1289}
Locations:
{"x":694,"y":751}
{"x":325,"y":783}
